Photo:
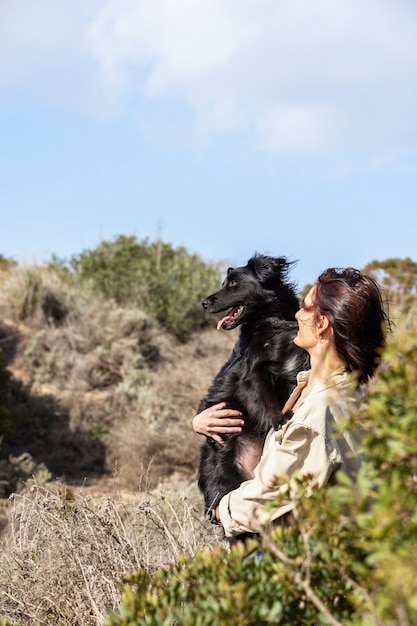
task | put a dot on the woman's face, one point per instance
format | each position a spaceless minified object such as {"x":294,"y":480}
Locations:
{"x":307,"y":331}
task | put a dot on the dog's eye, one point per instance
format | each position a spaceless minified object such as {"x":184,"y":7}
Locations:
{"x":232,"y":283}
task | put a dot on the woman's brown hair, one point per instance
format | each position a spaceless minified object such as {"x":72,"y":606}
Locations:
{"x":353,"y":304}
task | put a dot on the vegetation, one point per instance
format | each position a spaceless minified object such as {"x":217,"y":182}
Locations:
{"x":6,"y":263}
{"x":349,"y":555}
{"x":6,"y":417}
{"x":105,"y":524}
{"x":5,"y":414}
{"x":165,"y":281}
{"x":95,"y":377}
{"x":399,"y":277}
{"x":68,"y":552}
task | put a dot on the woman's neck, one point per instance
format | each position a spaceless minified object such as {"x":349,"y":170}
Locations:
{"x":322,"y":366}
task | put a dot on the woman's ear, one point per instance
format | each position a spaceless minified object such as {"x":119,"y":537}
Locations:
{"x":323,"y":324}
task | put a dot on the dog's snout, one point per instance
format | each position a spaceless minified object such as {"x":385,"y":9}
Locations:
{"x":205,"y":303}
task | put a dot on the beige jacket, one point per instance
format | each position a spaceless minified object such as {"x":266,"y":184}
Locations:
{"x":306,"y":443}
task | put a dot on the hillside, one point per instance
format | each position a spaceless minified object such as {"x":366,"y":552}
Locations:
{"x":99,"y":466}
{"x":101,"y":395}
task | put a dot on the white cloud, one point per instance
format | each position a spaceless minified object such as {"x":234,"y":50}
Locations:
{"x":43,"y":51}
{"x":302,"y":76}
{"x":37,"y":36}
{"x":299,"y":128}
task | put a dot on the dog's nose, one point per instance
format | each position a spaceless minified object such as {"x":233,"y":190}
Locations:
{"x":205,"y":303}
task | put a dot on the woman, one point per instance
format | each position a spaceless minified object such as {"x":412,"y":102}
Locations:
{"x":342,"y":326}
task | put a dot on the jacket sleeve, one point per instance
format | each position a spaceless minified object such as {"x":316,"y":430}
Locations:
{"x":296,"y":447}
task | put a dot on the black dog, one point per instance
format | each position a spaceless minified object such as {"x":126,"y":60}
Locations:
{"x":260,"y":373}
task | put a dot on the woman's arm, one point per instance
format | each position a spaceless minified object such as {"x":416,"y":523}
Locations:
{"x":218,"y":420}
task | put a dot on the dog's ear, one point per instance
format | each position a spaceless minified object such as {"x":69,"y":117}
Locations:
{"x":230,"y":269}
{"x":267,"y":267}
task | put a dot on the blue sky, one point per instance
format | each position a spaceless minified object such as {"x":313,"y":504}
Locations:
{"x":286,"y":127}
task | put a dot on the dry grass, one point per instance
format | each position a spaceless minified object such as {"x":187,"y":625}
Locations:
{"x":157,"y":427}
{"x":64,"y":556}
{"x":104,"y":398}
{"x":100,"y":388}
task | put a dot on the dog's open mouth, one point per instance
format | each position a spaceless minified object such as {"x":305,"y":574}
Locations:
{"x":229,"y":320}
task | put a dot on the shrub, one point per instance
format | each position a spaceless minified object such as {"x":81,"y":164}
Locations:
{"x":162,"y":280}
{"x":398,"y":277}
{"x":33,"y":293}
{"x":100,"y":388}
{"x":349,"y":555}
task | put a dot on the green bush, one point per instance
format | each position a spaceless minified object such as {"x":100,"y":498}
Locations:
{"x":160,"y":279}
{"x":398,"y":277}
{"x":349,"y":556}
{"x":300,"y":575}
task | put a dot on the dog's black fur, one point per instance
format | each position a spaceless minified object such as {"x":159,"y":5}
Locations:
{"x":260,"y":373}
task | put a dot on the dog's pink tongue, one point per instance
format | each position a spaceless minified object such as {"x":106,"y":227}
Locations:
{"x":222,"y":321}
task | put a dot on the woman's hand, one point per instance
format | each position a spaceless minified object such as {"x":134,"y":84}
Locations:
{"x":217,"y":420}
